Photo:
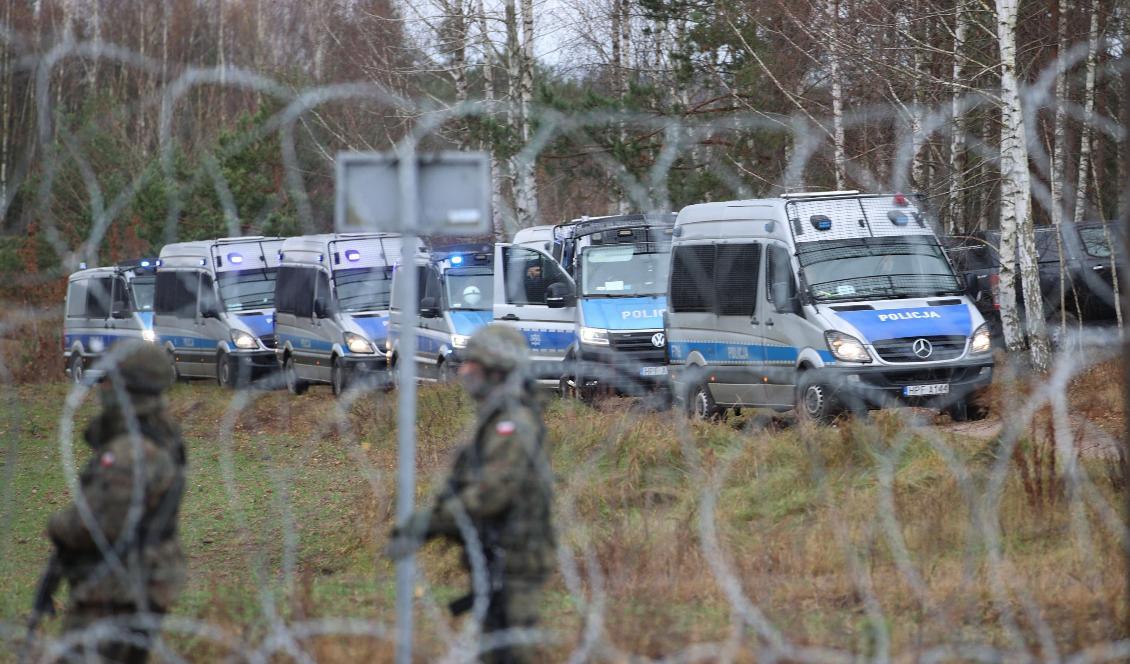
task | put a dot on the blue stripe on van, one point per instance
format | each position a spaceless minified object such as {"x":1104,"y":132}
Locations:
{"x":301,"y":343}
{"x":717,"y":352}
{"x":189,"y":343}
{"x":549,"y":339}
{"x":106,"y":338}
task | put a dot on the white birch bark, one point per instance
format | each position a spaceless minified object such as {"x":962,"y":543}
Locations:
{"x":1018,"y":246}
{"x":839,"y":157}
{"x":1088,"y":116}
{"x":1059,"y":156}
{"x":525,"y":171}
{"x":619,"y":82}
{"x":955,"y":220}
{"x":496,"y":174}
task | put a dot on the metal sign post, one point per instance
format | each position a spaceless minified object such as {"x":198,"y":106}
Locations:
{"x":447,"y":193}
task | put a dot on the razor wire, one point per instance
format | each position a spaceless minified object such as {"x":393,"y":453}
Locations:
{"x":754,"y":631}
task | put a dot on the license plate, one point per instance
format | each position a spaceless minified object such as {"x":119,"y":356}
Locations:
{"x":653,"y":371}
{"x":925,"y":390}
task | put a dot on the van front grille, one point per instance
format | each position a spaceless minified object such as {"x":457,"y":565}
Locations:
{"x":909,"y":349}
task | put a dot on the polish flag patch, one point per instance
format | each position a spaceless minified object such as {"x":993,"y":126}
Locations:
{"x":106,"y":460}
{"x":505,"y":428}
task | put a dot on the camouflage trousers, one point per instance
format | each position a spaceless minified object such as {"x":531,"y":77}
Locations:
{"x":515,"y":606}
{"x":125,"y":645}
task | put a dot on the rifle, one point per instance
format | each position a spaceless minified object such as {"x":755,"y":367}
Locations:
{"x":44,"y":604}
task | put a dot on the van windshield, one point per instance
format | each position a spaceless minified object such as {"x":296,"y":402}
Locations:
{"x":363,"y":288}
{"x":142,"y":289}
{"x":470,"y":288}
{"x":623,"y":270}
{"x":245,"y":290}
{"x":880,"y":267}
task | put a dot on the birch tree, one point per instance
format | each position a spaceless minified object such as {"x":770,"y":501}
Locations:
{"x":1017,"y":245}
{"x":1059,"y":153}
{"x":1088,"y":115}
{"x":839,"y":156}
{"x":955,"y":219}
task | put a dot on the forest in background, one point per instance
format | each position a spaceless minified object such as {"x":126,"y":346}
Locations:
{"x":127,"y":124}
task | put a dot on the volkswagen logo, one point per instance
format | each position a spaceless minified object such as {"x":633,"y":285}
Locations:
{"x":922,"y":348}
{"x":658,"y":340}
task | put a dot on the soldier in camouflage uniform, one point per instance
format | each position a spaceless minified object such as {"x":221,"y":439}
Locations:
{"x":125,"y":565}
{"x":502,"y":481}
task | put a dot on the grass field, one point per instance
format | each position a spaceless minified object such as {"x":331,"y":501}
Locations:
{"x":867,"y":538}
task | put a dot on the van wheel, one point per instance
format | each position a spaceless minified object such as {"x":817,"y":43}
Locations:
{"x":293,"y":384}
{"x":702,"y":406}
{"x":337,"y":377}
{"x":225,"y":371}
{"x":815,"y":401}
{"x":78,"y":367}
{"x":969,"y":409}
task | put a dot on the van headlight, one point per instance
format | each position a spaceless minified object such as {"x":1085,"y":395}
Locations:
{"x":148,"y":335}
{"x":358,"y":344}
{"x":982,"y":341}
{"x":594,"y":336}
{"x":459,"y":341}
{"x":846,"y":347}
{"x":243,"y":340}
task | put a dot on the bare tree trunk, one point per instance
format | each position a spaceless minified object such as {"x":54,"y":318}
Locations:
{"x":525,"y":170}
{"x":1059,"y":155}
{"x":619,"y":12}
{"x":1017,"y":232}
{"x":955,"y":219}
{"x":839,"y":157}
{"x":223,"y":64}
{"x":458,"y":17}
{"x":496,"y":174}
{"x":1088,"y":115}
{"x":917,"y":116}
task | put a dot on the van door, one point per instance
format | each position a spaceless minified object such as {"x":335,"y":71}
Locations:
{"x":175,"y":317}
{"x":431,"y":333}
{"x":212,"y":331}
{"x":522,"y":278}
{"x":123,"y":323}
{"x":782,"y":326}
{"x":739,"y":374}
{"x":326,"y":327}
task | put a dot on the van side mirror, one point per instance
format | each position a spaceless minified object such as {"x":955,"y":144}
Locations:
{"x":785,"y":300}
{"x":321,"y":308}
{"x":560,"y":295}
{"x":209,"y":311}
{"x":120,"y":310}
{"x":429,"y":308}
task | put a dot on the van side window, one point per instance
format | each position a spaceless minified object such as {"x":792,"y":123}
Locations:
{"x":120,"y":301}
{"x":98,"y":297}
{"x":529,"y":274}
{"x":735,"y":278}
{"x":303,"y":291}
{"x":176,"y":293}
{"x":322,"y":290}
{"x":76,"y":299}
{"x":284,"y":291}
{"x":427,"y":285}
{"x":208,"y":299}
{"x":779,"y":270}
{"x":692,"y":278}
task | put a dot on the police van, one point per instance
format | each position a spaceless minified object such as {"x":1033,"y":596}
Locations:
{"x":214,"y":307}
{"x":105,"y":305}
{"x":822,"y":302}
{"x":536,"y":237}
{"x":332,"y":300}
{"x":455,"y":291}
{"x":620,"y":265}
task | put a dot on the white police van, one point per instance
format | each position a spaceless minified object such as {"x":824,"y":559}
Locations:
{"x":536,"y":237}
{"x":214,"y":307}
{"x":332,"y":309}
{"x":822,"y":302}
{"x":455,"y":287}
{"x":620,"y":264}
{"x":105,"y":305}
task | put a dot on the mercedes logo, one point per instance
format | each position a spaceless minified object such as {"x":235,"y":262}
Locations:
{"x":922,"y":348}
{"x":658,"y":340}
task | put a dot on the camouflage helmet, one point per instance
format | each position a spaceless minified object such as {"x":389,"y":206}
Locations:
{"x":142,"y":367}
{"x":498,"y":347}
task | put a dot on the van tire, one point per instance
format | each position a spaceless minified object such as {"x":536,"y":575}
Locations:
{"x":815,"y":401}
{"x":968,"y":409}
{"x":225,"y":371}
{"x":78,"y":367}
{"x":700,"y":404}
{"x":294,"y":385}
{"x":337,"y":377}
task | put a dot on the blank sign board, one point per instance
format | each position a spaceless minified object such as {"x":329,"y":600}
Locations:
{"x":452,"y":194}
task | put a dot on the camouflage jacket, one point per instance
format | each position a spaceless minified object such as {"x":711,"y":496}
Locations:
{"x":151,"y":564}
{"x":503,"y":481}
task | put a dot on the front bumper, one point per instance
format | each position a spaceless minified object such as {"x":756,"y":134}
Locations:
{"x":256,"y":361}
{"x":368,"y":369}
{"x":884,"y":385}
{"x":625,"y":371}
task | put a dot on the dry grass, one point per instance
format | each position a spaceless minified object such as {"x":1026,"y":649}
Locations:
{"x":799,"y":516}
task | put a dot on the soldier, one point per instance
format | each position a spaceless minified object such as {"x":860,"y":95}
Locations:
{"x":501,"y":480}
{"x":122,"y":559}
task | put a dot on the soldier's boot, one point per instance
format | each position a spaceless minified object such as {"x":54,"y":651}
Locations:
{"x":126,"y":645}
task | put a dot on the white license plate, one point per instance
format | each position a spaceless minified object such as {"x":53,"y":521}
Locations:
{"x":653,"y":371}
{"x":925,"y":390}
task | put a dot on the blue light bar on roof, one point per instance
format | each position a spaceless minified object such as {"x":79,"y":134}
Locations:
{"x":144,"y":263}
{"x":821,"y":222}
{"x":234,"y":258}
{"x":352,"y":255}
{"x":456,"y":260}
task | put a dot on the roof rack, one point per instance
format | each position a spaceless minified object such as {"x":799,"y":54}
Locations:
{"x":822,"y":194}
